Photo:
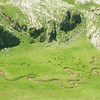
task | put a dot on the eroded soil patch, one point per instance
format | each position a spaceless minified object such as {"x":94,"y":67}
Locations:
{"x":2,"y":72}
{"x":95,"y":70}
{"x":94,"y":60}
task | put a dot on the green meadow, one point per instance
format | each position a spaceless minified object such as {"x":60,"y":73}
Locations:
{"x":58,"y":72}
{"x":48,"y":70}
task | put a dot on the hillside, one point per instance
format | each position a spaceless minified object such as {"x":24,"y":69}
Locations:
{"x":42,"y":20}
{"x":42,"y":23}
{"x":49,"y":49}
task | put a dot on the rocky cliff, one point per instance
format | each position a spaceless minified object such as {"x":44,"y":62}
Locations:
{"x":91,"y":10}
{"x":51,"y":20}
{"x":42,"y":19}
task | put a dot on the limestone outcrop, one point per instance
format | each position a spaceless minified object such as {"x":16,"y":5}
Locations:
{"x":85,"y":1}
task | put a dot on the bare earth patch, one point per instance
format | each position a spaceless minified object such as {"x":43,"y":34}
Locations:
{"x":95,"y":70}
{"x":74,"y":84}
{"x":73,"y":75}
{"x":1,"y":72}
{"x":96,"y":59}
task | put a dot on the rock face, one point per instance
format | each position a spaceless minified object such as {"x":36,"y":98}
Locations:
{"x":51,"y":20}
{"x":96,"y":39}
{"x":42,"y":11}
{"x":84,"y":1}
{"x":43,"y":19}
{"x":47,"y":17}
{"x":93,"y":30}
{"x":92,"y":14}
{"x":94,"y":34}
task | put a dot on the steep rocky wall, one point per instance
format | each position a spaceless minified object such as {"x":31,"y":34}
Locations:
{"x":91,"y":11}
{"x":50,"y":16}
{"x":96,"y":39}
{"x":53,"y":19}
{"x":93,"y":28}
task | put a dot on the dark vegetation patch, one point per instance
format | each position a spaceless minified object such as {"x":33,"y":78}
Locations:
{"x":70,"y":21}
{"x":37,"y":34}
{"x":7,"y":39}
{"x":43,"y":34}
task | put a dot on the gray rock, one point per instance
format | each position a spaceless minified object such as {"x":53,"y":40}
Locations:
{"x":96,"y":39}
{"x":84,"y":1}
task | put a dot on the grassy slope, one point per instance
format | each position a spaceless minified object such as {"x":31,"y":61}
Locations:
{"x":3,"y":1}
{"x":45,"y":64}
{"x":48,"y":80}
{"x":15,"y":14}
{"x":70,"y":1}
